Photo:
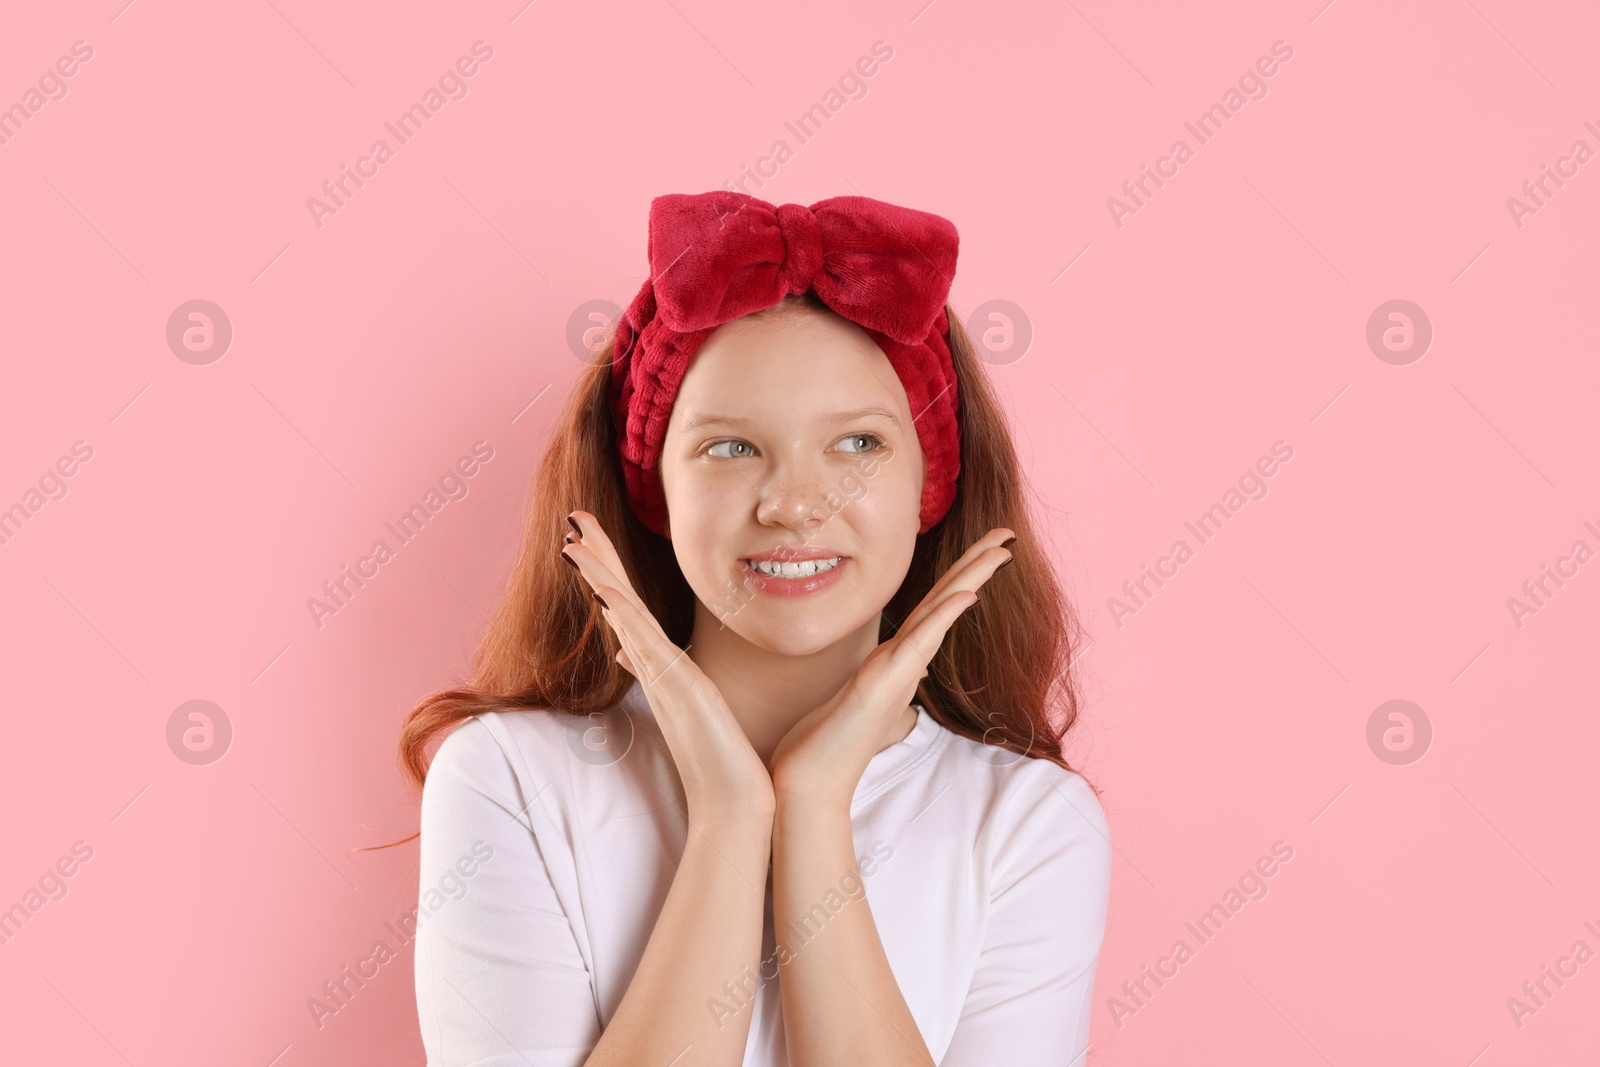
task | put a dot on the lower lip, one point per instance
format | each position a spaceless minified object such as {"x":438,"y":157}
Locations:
{"x":816,"y":583}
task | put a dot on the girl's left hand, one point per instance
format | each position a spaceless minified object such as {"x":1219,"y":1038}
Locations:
{"x":823,"y":756}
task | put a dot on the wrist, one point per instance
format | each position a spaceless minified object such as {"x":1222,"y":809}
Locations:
{"x":815,"y":788}
{"x":811,"y":800}
{"x":750,"y":818}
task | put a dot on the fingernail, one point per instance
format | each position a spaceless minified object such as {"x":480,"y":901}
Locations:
{"x":602,"y":602}
{"x":1008,"y":542}
{"x":975,"y":603}
{"x":569,"y":540}
{"x":570,"y":560}
{"x":575,"y":527}
{"x":1008,"y":561}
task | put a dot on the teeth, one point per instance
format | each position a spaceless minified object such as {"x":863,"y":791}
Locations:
{"x":774,"y":569}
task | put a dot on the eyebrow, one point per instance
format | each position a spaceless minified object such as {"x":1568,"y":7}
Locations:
{"x":699,"y":422}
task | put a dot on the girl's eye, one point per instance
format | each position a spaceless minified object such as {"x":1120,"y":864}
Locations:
{"x":712,"y":450}
{"x":874,"y":441}
{"x":736,"y":449}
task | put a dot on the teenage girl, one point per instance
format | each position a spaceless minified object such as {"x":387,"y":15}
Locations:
{"x":761,"y":764}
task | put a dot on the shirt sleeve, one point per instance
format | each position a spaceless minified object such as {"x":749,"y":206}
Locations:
{"x":1031,"y":994}
{"x":500,"y":980}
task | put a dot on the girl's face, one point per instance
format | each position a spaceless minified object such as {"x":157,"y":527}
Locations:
{"x":791,"y":439}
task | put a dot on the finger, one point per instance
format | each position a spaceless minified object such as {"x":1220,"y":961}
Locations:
{"x":985,"y":550}
{"x":976,"y":566}
{"x":624,"y":659}
{"x":628,"y":658}
{"x":889,"y":679}
{"x":627,"y":640}
{"x":606,"y":587}
{"x":640,"y":634}
{"x":631,"y":643}
{"x":916,"y":644}
{"x":677,"y":690}
{"x":596,"y":572}
{"x":646,"y":643}
{"x":592,"y":535}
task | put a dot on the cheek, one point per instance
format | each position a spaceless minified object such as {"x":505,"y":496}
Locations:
{"x":888,"y":503}
{"x":893,"y":493}
{"x":884,"y":515}
{"x":703,"y":511}
{"x":689,"y":485}
{"x":698,"y":501}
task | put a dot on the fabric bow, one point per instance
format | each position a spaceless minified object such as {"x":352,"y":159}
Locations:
{"x":720,"y":255}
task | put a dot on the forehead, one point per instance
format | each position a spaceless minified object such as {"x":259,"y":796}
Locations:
{"x":793,"y":364}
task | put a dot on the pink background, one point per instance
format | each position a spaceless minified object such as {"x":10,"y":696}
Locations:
{"x":431,"y":311}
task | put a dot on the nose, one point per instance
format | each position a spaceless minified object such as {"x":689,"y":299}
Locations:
{"x":795,"y":499}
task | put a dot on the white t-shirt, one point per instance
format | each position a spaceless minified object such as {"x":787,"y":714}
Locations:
{"x":549,"y":844}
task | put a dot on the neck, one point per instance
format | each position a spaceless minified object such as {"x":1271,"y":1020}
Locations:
{"x":768,"y":692}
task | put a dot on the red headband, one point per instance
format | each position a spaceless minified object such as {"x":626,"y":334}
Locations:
{"x":717,"y":256}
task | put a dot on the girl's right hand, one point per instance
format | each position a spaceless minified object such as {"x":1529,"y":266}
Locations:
{"x":723,"y":777}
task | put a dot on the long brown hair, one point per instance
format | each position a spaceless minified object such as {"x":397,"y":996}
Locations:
{"x":1001,"y":677}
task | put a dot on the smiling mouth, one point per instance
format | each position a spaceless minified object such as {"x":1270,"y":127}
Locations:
{"x":771,"y":568}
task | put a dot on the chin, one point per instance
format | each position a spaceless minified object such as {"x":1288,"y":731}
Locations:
{"x":791,"y":639}
{"x":792,"y":633}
